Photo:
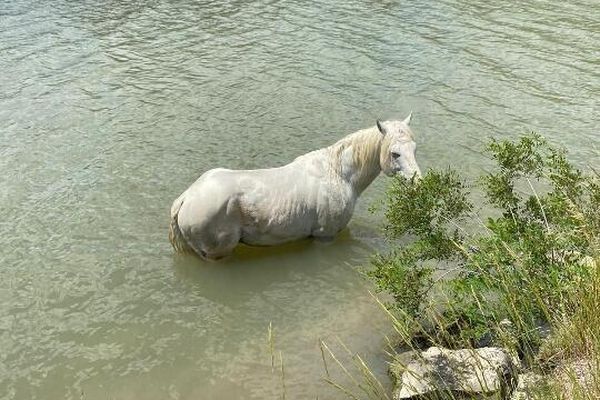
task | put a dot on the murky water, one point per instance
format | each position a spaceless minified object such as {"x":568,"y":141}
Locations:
{"x":110,"y":109}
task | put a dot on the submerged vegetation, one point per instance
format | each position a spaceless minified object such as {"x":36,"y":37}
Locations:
{"x":523,"y":276}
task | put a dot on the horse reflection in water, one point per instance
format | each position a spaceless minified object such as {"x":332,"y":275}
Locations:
{"x":313,"y":196}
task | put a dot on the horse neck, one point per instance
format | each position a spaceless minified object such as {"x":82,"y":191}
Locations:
{"x":357,"y":158}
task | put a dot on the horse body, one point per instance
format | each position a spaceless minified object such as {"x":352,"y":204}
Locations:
{"x":313,"y":196}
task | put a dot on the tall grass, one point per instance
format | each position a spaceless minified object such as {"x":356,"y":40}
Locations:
{"x":571,"y":355}
{"x":566,"y":363}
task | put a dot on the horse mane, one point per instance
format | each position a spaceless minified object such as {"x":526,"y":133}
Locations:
{"x":366,"y":146}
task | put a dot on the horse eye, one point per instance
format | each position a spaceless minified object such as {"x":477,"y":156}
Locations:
{"x":395,"y":155}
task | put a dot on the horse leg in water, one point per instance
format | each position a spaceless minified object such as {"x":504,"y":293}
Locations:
{"x":212,"y":230}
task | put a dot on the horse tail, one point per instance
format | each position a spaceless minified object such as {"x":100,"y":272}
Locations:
{"x":175,"y":235}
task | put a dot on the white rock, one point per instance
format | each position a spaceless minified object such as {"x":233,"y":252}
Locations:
{"x":487,"y":372}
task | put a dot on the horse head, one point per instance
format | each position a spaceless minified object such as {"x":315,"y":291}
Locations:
{"x":398,"y":149}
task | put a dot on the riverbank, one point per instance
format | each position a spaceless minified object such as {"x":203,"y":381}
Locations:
{"x":563,"y":365}
{"x":523,"y":284}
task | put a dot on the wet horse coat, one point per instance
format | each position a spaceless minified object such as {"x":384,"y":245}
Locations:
{"x":314,"y":195}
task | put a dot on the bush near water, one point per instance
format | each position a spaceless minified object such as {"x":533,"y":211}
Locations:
{"x":525,"y":267}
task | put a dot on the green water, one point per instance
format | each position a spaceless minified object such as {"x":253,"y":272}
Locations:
{"x":110,"y":109}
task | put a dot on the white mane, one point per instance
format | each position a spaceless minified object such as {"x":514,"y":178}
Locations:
{"x":365,"y":145}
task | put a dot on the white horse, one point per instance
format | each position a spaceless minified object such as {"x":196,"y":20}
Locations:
{"x":313,"y":196}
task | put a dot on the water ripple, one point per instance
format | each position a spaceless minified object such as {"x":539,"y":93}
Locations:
{"x":109,"y":109}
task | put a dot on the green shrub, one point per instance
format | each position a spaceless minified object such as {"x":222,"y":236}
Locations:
{"x":543,"y":215}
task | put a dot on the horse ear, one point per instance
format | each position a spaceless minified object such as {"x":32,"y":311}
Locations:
{"x":407,"y":119}
{"x":380,"y":127}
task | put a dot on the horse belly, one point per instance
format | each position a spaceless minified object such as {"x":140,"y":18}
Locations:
{"x":293,"y":223}
{"x":272,"y":232}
